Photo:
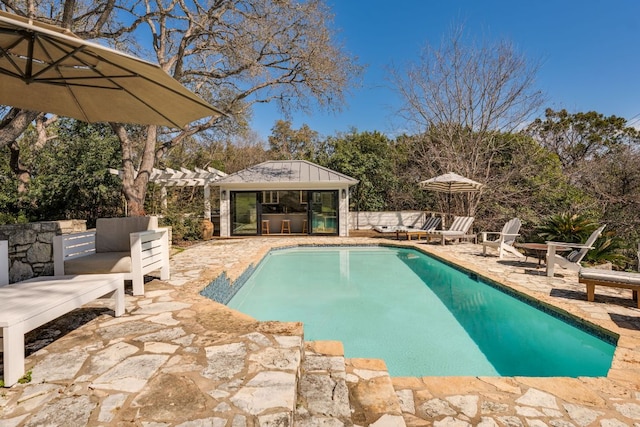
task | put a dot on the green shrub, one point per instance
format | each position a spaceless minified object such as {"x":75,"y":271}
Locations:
{"x":608,"y":248}
{"x":9,"y":218}
{"x":183,"y":227}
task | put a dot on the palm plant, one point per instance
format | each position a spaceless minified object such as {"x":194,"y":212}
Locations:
{"x":567,"y":227}
{"x":608,"y":248}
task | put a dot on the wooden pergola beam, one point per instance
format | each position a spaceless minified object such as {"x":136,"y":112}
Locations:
{"x":183,"y":178}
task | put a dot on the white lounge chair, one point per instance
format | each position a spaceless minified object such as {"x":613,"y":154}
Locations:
{"x":133,"y":246}
{"x":429,"y":225}
{"x":502,"y":240}
{"x":29,"y":304}
{"x":571,"y":261}
{"x":459,"y":229}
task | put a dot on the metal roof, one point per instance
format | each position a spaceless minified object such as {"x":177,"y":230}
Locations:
{"x":287,"y":171}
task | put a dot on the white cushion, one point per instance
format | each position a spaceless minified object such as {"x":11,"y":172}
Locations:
{"x":610,"y":276}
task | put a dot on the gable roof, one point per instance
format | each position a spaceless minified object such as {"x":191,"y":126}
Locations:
{"x":287,"y":171}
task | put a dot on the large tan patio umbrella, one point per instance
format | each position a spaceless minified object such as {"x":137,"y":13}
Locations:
{"x":49,"y":69}
{"x":451,"y":183}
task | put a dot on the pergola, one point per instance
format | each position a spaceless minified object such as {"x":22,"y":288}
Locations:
{"x":183,"y":178}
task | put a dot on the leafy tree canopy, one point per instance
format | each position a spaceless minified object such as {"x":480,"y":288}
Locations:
{"x":366,"y":157}
{"x":70,"y":177}
{"x":579,"y":137}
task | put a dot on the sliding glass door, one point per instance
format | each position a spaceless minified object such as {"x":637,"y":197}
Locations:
{"x":244,"y":213}
{"x":324,"y":212}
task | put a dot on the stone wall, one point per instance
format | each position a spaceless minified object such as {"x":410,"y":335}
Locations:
{"x":31,"y":246}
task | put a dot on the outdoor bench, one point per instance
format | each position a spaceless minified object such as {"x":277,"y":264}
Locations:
{"x":593,"y":277}
{"x":29,"y":304}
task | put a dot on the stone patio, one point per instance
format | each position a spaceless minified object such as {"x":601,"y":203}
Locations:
{"x":179,"y":359}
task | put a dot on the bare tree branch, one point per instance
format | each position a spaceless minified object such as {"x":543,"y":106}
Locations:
{"x":461,"y":96}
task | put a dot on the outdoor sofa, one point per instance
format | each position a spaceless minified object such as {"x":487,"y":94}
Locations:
{"x":133,"y":246}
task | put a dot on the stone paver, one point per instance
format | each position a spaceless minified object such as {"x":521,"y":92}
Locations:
{"x":373,"y":397}
{"x":179,"y":359}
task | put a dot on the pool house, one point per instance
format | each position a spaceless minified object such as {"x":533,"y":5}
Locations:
{"x":285,"y":197}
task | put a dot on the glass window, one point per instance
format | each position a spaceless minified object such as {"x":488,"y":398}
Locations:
{"x":270,"y":198}
{"x":288,"y":201}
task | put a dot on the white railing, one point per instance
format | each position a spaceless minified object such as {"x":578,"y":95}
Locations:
{"x":367,"y":220}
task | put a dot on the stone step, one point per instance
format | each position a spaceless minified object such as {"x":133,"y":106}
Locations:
{"x":323,"y":396}
{"x":256,"y":375}
{"x":373,"y":399}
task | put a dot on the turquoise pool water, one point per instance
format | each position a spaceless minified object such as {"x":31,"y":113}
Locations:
{"x":423,"y":317}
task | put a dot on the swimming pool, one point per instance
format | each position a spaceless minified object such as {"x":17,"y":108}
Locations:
{"x":423,"y":317}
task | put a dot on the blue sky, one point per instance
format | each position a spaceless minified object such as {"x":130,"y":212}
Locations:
{"x":589,"y":51}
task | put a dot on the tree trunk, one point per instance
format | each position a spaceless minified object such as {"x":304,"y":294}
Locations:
{"x":21,"y":171}
{"x":134,"y":182}
{"x":14,"y":124}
